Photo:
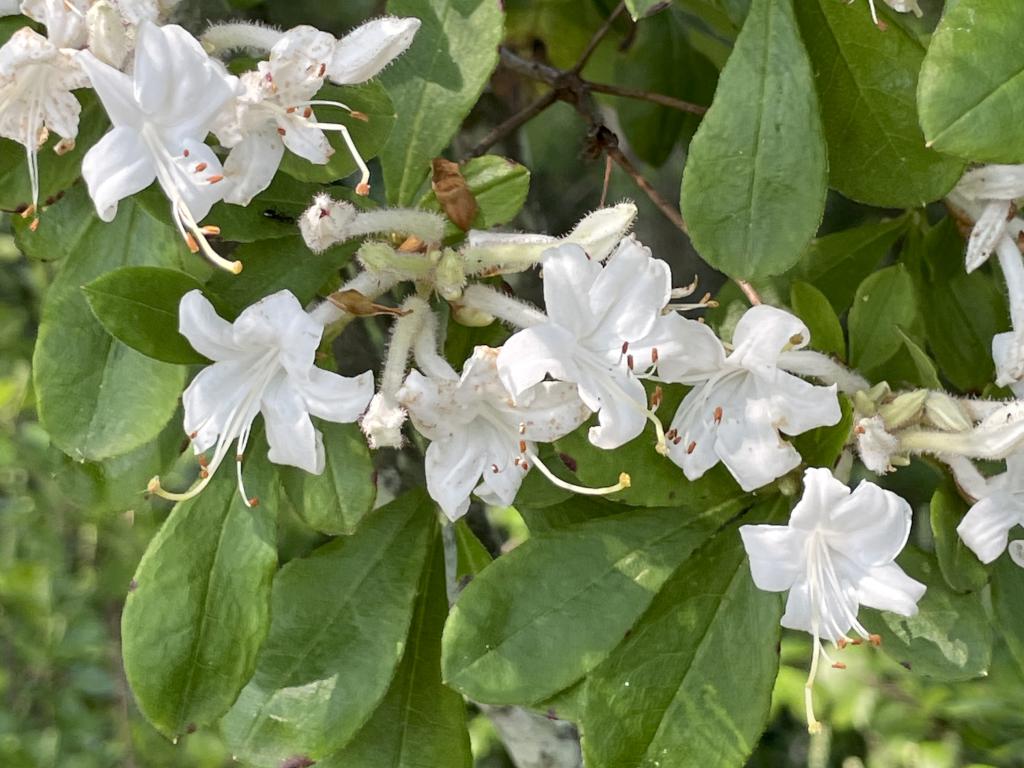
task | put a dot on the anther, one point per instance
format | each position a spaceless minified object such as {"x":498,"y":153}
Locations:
{"x":629,"y":362}
{"x":254,"y":501}
{"x":290,"y":110}
{"x":200,"y":167}
{"x":185,"y":153}
{"x":494,"y":468}
{"x":656,"y":396}
{"x":28,"y":211}
{"x":363,"y":188}
{"x":361,"y":116}
{"x":204,"y":473}
{"x":307,"y":112}
{"x":323,"y":69}
{"x":875,"y":640}
{"x":625,"y":347}
{"x":796,"y":339}
{"x":841,"y":643}
{"x":654,"y":355}
{"x":838,"y":665}
{"x":211,"y":229}
{"x":522,"y":446}
{"x":690,"y":448}
{"x":859,"y":430}
{"x":190,"y":241}
{"x":718,"y":414}
{"x":281,"y":131}
{"x":193,"y":436}
{"x":34,"y":225}
{"x":215,"y":179}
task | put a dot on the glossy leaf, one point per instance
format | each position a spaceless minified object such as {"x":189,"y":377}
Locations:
{"x":420,"y":722}
{"x":960,"y":567}
{"x":199,"y":606}
{"x":98,"y":397}
{"x":274,"y":212}
{"x":473,"y":557}
{"x":1007,"y":583}
{"x":368,"y":135}
{"x":822,"y":446}
{"x":972,"y":82}
{"x":686,"y":688}
{"x":435,"y":83}
{"x":336,"y":501}
{"x":884,"y":300}
{"x":755,"y":180}
{"x":518,"y":634}
{"x":812,"y":306}
{"x":328,"y":659}
{"x":866,"y":78}
{"x":139,"y":306}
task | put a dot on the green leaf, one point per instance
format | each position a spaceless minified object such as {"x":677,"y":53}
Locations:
{"x":927,"y":375}
{"x":970,"y":310}
{"x":972,"y":82}
{"x":274,"y":212}
{"x":368,"y":135}
{"x":1007,"y":587}
{"x":139,"y":306}
{"x":638,"y":9}
{"x":960,"y":567}
{"x":435,"y":83}
{"x":949,"y":638}
{"x":274,"y":265}
{"x":200,"y":604}
{"x":837,"y":263}
{"x":98,"y":397}
{"x":866,"y":79}
{"x":336,"y":501}
{"x":56,"y":172}
{"x":473,"y":557}
{"x":679,"y":692}
{"x":500,"y":187}
{"x":420,"y":722}
{"x":821,"y":447}
{"x":883,"y":301}
{"x":653,"y":63}
{"x":540,"y":617}
{"x":755,"y":181}
{"x":63,"y":224}
{"x":812,"y":306}
{"x":328,"y":659}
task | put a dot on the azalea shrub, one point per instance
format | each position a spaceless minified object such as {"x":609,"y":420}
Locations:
{"x":533,"y":369}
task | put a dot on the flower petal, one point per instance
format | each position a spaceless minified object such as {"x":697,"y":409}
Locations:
{"x":305,"y":139}
{"x":695,"y":452}
{"x":796,"y":405}
{"x":279,"y":322}
{"x":533,"y":353}
{"x":568,"y":277}
{"x":988,"y":230}
{"x":762,"y":333}
{"x":986,"y":527}
{"x":251,"y":165}
{"x":453,"y":467}
{"x":341,"y":399}
{"x":993,"y":182}
{"x":620,"y":401}
{"x":776,"y":553}
{"x":628,"y":295}
{"x":751,"y":448}
{"x":117,"y":166}
{"x":871,"y":526}
{"x":833,"y":610}
{"x":198,"y":194}
{"x":366,"y":50}
{"x":688,"y":351}
{"x":499,"y":488}
{"x":207,"y":332}
{"x":429,"y":403}
{"x":549,"y":411}
{"x":888,"y":588}
{"x":290,"y":433}
{"x":216,"y":393}
{"x":822,"y":493}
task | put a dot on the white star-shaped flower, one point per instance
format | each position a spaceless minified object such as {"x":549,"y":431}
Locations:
{"x":837,"y":553}
{"x":986,"y":527}
{"x":595,"y":313}
{"x":36,"y":80}
{"x":742,"y":400}
{"x":900,"y":6}
{"x":263,"y":363}
{"x":482,"y":440}
{"x":161,"y":116}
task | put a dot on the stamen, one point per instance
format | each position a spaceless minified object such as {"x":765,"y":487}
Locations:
{"x":718,"y":414}
{"x":624,"y":481}
{"x":691,"y":447}
{"x":215,"y":179}
{"x":200,"y":167}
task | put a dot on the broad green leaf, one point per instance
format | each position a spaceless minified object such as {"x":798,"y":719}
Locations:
{"x":60,"y":228}
{"x":967,"y":310}
{"x":368,"y":135}
{"x":139,"y":306}
{"x":274,"y":212}
{"x":866,"y":78}
{"x":837,"y":263}
{"x":336,"y":501}
{"x":726,"y":15}
{"x":56,"y":172}
{"x":435,"y":83}
{"x":972,"y":82}
{"x":959,"y":566}
{"x":200,"y":601}
{"x":473,"y":557}
{"x":340,"y":621}
{"x":500,"y":187}
{"x":654,"y":63}
{"x":420,"y":722}
{"x":755,"y":181}
{"x":274,"y":265}
{"x":691,"y":686}
{"x":98,"y":397}
{"x":925,"y":372}
{"x":1007,"y":587}
{"x":883,"y":301}
{"x":821,"y":446}
{"x":569,"y":511}
{"x":540,"y":617}
{"x":812,"y":306}
{"x":950,"y":637}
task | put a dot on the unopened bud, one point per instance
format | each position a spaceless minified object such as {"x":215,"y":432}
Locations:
{"x":600,"y":232}
{"x":450,"y":278}
{"x":108,"y":39}
{"x":381,"y":259}
{"x":470,"y":316}
{"x":945,"y":413}
{"x":866,"y":402}
{"x":904,"y":409}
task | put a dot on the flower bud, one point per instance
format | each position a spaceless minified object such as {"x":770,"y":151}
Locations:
{"x":382,"y":259}
{"x":904,"y":409}
{"x":108,"y":39}
{"x":600,"y":232}
{"x":450,"y":279}
{"x":470,"y":316}
{"x":326,"y":222}
{"x":866,"y":402}
{"x":945,"y":413}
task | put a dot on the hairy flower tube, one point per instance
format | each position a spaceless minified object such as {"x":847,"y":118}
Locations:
{"x":263,"y":363}
{"x":161,"y":116}
{"x":836,"y":554}
{"x":742,"y":400}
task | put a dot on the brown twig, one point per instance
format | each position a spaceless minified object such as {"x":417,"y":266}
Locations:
{"x":595,"y":41}
{"x":656,"y":98}
{"x":524,"y":115}
{"x":670,"y":211}
{"x":748,"y":290}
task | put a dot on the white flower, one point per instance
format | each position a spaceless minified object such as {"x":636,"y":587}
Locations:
{"x":367,"y":49}
{"x":36,"y":80}
{"x":986,"y":527}
{"x":64,"y":21}
{"x":481,"y":440}
{"x":742,"y":400}
{"x":836,"y":554}
{"x":263,"y":363}
{"x":161,"y":115}
{"x":595,"y":314}
{"x":900,"y":6}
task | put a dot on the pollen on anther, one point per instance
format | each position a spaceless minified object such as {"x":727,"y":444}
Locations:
{"x":625,"y":347}
{"x":254,"y":501}
{"x":203,"y":474}
{"x":281,"y":131}
{"x":629,"y":362}
{"x":838,"y":665}
{"x":34,"y":225}
{"x":215,"y":179}
{"x":307,"y":112}
{"x":190,"y":241}
{"x":522,"y":446}
{"x":323,"y":69}
{"x":362,"y":189}
{"x":203,"y":461}
{"x":691,"y":447}
{"x":841,"y":643}
{"x":200,"y":167}
{"x":654,"y":355}
{"x":875,"y":640}
{"x":718,"y":414}
{"x":211,"y":229}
